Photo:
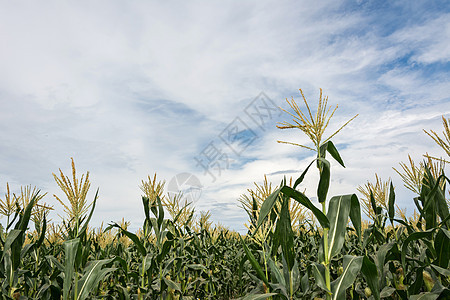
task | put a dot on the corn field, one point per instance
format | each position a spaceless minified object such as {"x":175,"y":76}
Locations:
{"x":293,"y":249}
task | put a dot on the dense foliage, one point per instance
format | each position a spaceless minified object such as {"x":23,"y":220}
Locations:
{"x":334,"y":256}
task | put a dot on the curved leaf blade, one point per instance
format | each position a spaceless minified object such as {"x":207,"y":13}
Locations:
{"x":329,"y":146}
{"x":412,"y":237}
{"x":352,"y":266}
{"x":254,"y":263}
{"x":300,"y":179}
{"x":258,"y":296}
{"x":70,"y":251}
{"x":132,"y":237}
{"x":302,"y":199}
{"x":324,"y":181}
{"x":442,"y":246}
{"x":266,"y":207}
{"x":355,"y":215}
{"x":318,"y":271}
{"x":338,"y":213}
{"x":369,"y":270}
{"x":92,"y":276}
{"x":391,"y":208}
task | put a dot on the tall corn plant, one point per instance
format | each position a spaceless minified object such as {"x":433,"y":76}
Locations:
{"x":77,"y":207}
{"x":154,"y":245}
{"x":8,"y":206}
{"x":333,"y":221}
{"x":80,"y":275}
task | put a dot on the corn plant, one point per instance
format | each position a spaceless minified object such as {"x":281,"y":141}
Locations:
{"x":378,"y":262}
{"x":77,"y":207}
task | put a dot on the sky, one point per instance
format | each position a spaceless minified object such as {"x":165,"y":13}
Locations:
{"x":130,"y":89}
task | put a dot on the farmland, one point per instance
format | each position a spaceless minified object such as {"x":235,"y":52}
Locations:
{"x":294,"y":249}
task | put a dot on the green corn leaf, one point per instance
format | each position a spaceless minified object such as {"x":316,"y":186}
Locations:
{"x":25,"y":218}
{"x":391,"y":208}
{"x":441,"y":204}
{"x":416,"y":286}
{"x":160,"y":211}
{"x":26,"y":249}
{"x":387,"y":291}
{"x":16,"y":214}
{"x":132,"y":237}
{"x":284,"y":235}
{"x":446,"y":232}
{"x":403,"y":223}
{"x":300,"y":179}
{"x":22,"y":225}
{"x":442,"y":246}
{"x":367,"y":237}
{"x":381,"y":256}
{"x":427,"y":196}
{"x":145,"y":203}
{"x":442,"y":271}
{"x":266,"y":207}
{"x":153,"y":207}
{"x":338,"y":213}
{"x":318,"y":272}
{"x":302,"y":199}
{"x":258,"y":296}
{"x":418,"y":206}
{"x":280,"y":290}
{"x":171,"y":284}
{"x":444,"y":221}
{"x":355,"y":215}
{"x":373,"y":203}
{"x":352,"y":266}
{"x":254,"y":263}
{"x":42,"y":235}
{"x":324,"y":181}
{"x":86,"y":223}
{"x":91,"y":277}
{"x":165,"y":249}
{"x":196,"y":266}
{"x":8,"y":270}
{"x":276,"y":272}
{"x":296,"y":276}
{"x":122,"y":262}
{"x":425,"y":296}
{"x":329,"y":146}
{"x":70,"y":251}
{"x":286,"y":272}
{"x":125,"y":293}
{"x":414,"y":236}
{"x":156,"y":229}
{"x":147,"y":262}
{"x":53,"y":262}
{"x":442,"y":291}
{"x":369,"y":271}
{"x":254,"y":209}
{"x":10,"y":239}
{"x":304,"y":282}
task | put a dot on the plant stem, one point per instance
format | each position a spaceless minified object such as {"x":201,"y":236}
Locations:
{"x":325,"y":237}
{"x":325,"y":254}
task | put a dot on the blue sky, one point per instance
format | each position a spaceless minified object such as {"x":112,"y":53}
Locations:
{"x":132,"y":88}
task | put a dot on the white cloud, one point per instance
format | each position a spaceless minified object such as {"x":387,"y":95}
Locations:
{"x":137,"y":88}
{"x":427,"y":41}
